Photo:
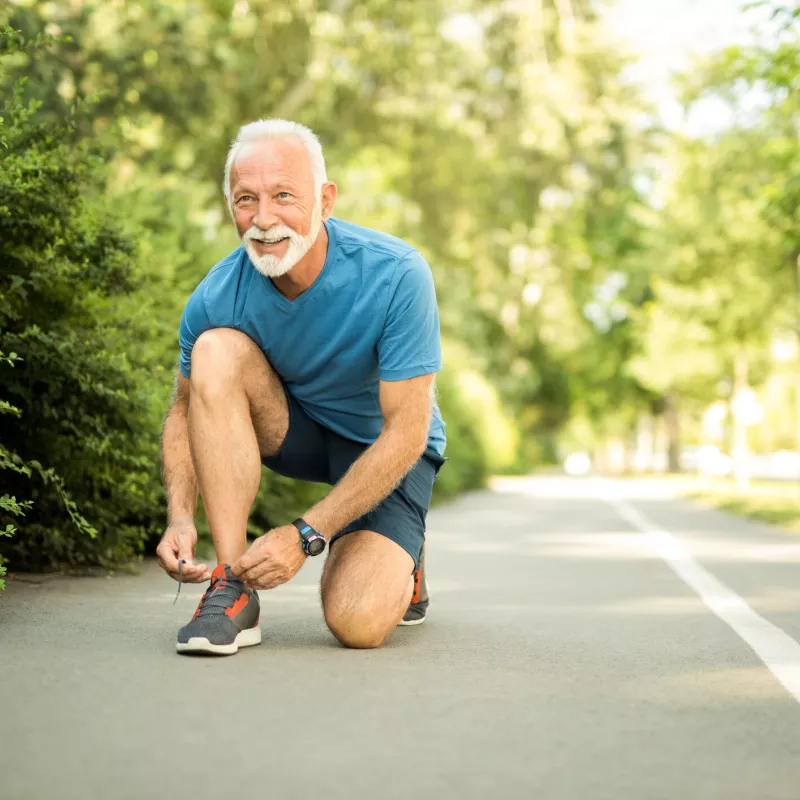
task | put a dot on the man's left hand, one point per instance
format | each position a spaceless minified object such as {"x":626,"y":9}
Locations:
{"x":272,"y":559}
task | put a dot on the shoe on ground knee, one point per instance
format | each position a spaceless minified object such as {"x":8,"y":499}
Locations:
{"x":418,"y":608}
{"x":226,"y":619}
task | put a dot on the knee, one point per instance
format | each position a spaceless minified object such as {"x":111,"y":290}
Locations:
{"x":218,"y":357}
{"x":356,"y":627}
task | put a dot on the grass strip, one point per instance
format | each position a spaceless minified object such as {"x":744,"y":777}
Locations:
{"x":773,"y":503}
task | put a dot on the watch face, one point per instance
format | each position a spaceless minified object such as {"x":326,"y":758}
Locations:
{"x":315,"y":545}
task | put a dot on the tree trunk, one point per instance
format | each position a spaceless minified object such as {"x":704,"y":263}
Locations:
{"x":741,"y":444}
{"x":673,"y":432}
{"x":643,"y":460}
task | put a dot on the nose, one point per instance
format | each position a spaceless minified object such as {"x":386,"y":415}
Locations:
{"x":265,"y":217}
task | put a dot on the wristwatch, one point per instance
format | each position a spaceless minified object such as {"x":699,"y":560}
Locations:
{"x":313,"y":541}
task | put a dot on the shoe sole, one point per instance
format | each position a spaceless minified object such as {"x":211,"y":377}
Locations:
{"x":408,"y":623}
{"x":199,"y":644}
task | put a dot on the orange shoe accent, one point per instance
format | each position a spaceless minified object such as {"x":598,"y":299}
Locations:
{"x":417,"y":596}
{"x":199,"y":606}
{"x":237,"y":606}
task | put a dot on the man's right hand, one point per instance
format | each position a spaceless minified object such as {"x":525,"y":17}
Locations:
{"x":178,"y":544}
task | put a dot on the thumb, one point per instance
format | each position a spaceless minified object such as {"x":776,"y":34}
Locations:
{"x":242,"y":564}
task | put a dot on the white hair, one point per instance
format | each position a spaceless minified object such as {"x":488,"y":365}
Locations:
{"x":277,"y":129}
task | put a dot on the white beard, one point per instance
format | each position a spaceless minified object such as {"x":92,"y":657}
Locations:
{"x":272,"y":266}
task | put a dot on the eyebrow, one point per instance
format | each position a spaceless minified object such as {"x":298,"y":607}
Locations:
{"x":283,"y":186}
{"x":242,"y":189}
{"x":279,"y":186}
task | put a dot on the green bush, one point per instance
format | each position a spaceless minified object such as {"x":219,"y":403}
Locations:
{"x":73,"y":446}
{"x":467,"y":467}
{"x":9,"y":505}
{"x":481,"y":440}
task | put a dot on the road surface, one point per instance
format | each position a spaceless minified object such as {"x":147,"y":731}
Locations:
{"x":586,"y":640}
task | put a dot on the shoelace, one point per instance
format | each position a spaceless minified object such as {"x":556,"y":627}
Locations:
{"x":220,"y":596}
{"x":217,"y":589}
{"x":180,"y":578}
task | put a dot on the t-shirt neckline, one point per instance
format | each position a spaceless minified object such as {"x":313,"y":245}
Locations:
{"x":300,"y":300}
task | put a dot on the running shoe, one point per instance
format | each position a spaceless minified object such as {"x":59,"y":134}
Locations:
{"x":418,"y":609}
{"x":226,"y":619}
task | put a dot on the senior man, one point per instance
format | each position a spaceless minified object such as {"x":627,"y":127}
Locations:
{"x":311,"y":349}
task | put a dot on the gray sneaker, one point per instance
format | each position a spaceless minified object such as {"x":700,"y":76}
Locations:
{"x":418,"y":609}
{"x":226,"y":619}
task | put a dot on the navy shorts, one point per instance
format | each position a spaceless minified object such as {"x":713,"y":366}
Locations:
{"x":312,"y":452}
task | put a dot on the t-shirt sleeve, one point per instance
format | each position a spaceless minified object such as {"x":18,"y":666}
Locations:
{"x":410,"y":344}
{"x":194,"y":322}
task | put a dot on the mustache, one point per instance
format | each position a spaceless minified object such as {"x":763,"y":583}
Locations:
{"x":272,"y":234}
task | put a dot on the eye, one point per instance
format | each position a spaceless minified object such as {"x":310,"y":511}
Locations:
{"x":284,"y":195}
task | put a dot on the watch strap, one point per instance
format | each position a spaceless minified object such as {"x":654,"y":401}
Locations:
{"x":304,"y":528}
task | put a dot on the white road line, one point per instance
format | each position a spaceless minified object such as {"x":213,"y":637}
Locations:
{"x":779,"y":652}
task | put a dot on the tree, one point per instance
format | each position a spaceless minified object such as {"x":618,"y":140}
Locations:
{"x":726,"y":242}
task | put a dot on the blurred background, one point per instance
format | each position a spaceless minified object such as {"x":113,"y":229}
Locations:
{"x":607,"y":193}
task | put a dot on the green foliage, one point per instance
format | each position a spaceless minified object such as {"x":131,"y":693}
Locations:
{"x":73,"y":404}
{"x":10,"y":461}
{"x":726,"y":242}
{"x":10,"y":506}
{"x":468,"y":465}
{"x":481,"y":437}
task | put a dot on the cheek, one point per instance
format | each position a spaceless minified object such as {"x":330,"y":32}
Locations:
{"x":300,"y":220}
{"x":243,"y":220}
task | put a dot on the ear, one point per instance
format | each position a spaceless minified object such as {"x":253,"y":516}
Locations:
{"x":329,"y":194}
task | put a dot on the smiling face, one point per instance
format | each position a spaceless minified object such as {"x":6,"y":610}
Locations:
{"x":275,"y":205}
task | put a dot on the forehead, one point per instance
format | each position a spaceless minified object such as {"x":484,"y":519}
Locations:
{"x":273,"y":159}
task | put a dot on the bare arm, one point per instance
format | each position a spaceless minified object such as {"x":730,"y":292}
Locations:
{"x":177,"y":469}
{"x":179,"y":541}
{"x":406,"y":407}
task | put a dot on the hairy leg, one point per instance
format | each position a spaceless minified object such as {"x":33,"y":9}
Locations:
{"x":237,"y":414}
{"x":366,"y":588}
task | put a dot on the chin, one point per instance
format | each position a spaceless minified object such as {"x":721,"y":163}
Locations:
{"x":270,"y":266}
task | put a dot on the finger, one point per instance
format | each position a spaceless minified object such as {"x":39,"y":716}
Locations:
{"x":189,"y":573}
{"x":237,"y":568}
{"x":186,"y":552}
{"x":246,"y":561}
{"x":190,"y":567}
{"x":268,"y":580}
{"x":166,"y":555}
{"x":201,"y":575}
{"x":195,"y":573}
{"x":257,"y":570}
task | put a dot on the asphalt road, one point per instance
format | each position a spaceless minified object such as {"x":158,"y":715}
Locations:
{"x":567,"y":654}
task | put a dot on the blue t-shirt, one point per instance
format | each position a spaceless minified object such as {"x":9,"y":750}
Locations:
{"x":371,"y":315}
